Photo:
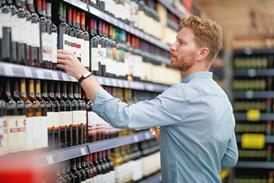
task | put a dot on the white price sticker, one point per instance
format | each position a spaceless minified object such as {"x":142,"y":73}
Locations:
{"x":40,"y":74}
{"x":28,"y":72}
{"x":50,"y":159}
{"x":147,"y":135}
{"x":54,"y":75}
{"x":8,"y":71}
{"x":136,"y":138}
{"x":65,"y":77}
{"x":249,"y":94}
{"x":251,"y":72}
{"x":83,"y":151}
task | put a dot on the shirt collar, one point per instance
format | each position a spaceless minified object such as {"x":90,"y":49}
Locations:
{"x":197,"y":75}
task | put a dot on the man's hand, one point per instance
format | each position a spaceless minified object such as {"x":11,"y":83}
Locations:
{"x":70,"y":64}
{"x":156,"y":133}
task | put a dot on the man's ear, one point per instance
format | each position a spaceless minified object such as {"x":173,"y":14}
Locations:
{"x":203,"y":53}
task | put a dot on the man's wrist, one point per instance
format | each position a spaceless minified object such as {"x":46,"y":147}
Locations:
{"x":84,"y":76}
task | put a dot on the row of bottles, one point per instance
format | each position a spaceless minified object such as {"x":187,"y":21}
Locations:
{"x":141,"y":15}
{"x":265,"y":154}
{"x":265,"y":127}
{"x":123,"y":164}
{"x":101,"y":47}
{"x":256,"y":41}
{"x":52,"y":114}
{"x":254,"y":176}
{"x":252,"y":84}
{"x":264,"y":105}
{"x":253,"y":62}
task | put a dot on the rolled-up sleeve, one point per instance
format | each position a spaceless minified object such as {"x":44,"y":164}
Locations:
{"x":230,"y":158}
{"x":144,"y":114}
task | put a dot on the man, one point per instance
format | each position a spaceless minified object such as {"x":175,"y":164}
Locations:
{"x":195,"y":117}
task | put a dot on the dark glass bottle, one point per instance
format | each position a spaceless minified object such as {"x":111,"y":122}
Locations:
{"x":35,"y":41}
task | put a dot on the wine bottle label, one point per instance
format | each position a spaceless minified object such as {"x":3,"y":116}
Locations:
{"x":3,"y":143}
{"x":5,"y":21}
{"x":80,"y":47}
{"x":46,"y":46}
{"x":43,"y":131}
{"x":50,"y":119}
{"x":15,"y":31}
{"x":28,"y":33}
{"x":30,"y":128}
{"x":54,"y":47}
{"x":36,"y":34}
{"x":94,"y":59}
{"x":73,"y":43}
{"x":85,"y":54}
{"x":37,"y":132}
{"x":66,"y":43}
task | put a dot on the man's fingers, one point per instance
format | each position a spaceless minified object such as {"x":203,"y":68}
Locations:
{"x":64,"y":51}
{"x":62,"y":61}
{"x":63,"y":56}
{"x":61,"y":66}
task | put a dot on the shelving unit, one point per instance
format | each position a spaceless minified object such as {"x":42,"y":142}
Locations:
{"x":117,"y":23}
{"x":155,"y":178}
{"x":64,"y":154}
{"x":252,"y":141}
{"x":254,"y":94}
{"x":255,"y":165}
{"x":20,"y":71}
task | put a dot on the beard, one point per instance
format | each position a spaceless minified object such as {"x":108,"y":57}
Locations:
{"x":183,"y":64}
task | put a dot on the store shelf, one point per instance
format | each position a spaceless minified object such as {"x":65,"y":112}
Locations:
{"x":254,"y":72}
{"x":20,"y":71}
{"x":254,"y":94}
{"x":118,"y":23}
{"x":155,"y":178}
{"x":81,"y":150}
{"x":263,"y":116}
{"x":268,"y":139}
{"x":120,"y":141}
{"x":56,"y":156}
{"x":249,"y":51}
{"x":170,"y":8}
{"x":257,"y":165}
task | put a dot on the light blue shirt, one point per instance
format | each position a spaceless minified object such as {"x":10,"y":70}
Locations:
{"x":196,"y":122}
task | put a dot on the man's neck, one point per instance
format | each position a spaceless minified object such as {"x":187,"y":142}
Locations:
{"x":192,"y":70}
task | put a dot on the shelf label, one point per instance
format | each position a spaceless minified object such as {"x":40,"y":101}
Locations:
{"x":28,"y":72}
{"x":253,"y":141}
{"x":50,"y":159}
{"x":147,"y":135}
{"x":136,"y":138}
{"x":253,"y":115}
{"x":249,"y":94}
{"x":40,"y":74}
{"x":83,"y":151}
{"x":251,"y":72}
{"x":54,"y":75}
{"x":8,"y":70}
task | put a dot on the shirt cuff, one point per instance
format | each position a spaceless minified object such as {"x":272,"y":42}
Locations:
{"x":101,"y":99}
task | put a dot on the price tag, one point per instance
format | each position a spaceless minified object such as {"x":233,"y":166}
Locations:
{"x":253,"y":115}
{"x":28,"y":72}
{"x":8,"y":70}
{"x":147,"y":135}
{"x":83,"y":151}
{"x":136,"y":138}
{"x":65,"y":77}
{"x":54,"y":75}
{"x":40,"y":74}
{"x":253,"y":141}
{"x":249,"y":94}
{"x":251,"y":72}
{"x":50,"y":159}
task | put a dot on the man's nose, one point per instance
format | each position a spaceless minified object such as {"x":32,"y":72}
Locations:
{"x":173,"y":47}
